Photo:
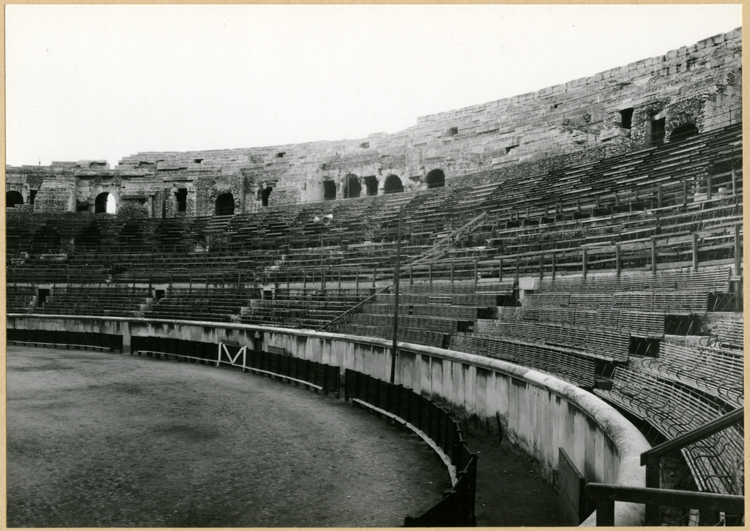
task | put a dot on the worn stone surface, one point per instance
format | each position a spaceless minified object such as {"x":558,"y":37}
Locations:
{"x":573,"y":122}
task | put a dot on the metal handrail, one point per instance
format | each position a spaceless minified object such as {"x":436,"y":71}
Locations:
{"x":606,"y":495}
{"x":735,"y":417}
{"x":347,"y":312}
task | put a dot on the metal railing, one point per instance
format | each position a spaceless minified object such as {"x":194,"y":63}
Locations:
{"x":710,"y":505}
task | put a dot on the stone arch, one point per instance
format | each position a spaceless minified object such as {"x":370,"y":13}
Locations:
{"x":435,"y":179}
{"x":352,"y":186}
{"x":13,"y":198}
{"x":105,"y":203}
{"x":264,"y":193}
{"x":224,"y":205}
{"x":393,"y":185}
{"x":679,"y":126}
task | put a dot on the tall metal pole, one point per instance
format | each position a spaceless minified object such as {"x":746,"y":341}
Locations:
{"x":394,"y":350}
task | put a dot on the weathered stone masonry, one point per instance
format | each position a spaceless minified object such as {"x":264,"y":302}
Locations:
{"x":586,"y":119}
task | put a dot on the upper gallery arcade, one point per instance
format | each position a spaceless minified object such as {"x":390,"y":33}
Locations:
{"x":693,"y":89}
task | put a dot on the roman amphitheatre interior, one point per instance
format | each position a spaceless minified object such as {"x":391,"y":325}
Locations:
{"x":559,"y":270}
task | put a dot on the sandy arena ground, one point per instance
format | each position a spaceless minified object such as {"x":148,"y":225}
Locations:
{"x":108,"y":440}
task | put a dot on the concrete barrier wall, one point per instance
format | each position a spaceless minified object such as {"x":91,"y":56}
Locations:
{"x":537,"y":412}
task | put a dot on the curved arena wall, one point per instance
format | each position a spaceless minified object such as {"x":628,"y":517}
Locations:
{"x":539,"y":413}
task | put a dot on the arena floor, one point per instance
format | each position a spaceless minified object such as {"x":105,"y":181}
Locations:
{"x":105,"y":440}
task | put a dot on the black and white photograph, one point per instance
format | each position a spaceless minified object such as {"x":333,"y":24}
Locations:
{"x":374,"y":265}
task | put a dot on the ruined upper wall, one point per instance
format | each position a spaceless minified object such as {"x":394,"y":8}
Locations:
{"x":698,"y":84}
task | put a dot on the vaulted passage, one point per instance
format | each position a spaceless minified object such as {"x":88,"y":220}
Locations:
{"x":12,"y":199}
{"x":684,"y":131}
{"x":371,"y":184}
{"x":105,"y":203}
{"x":329,"y":190}
{"x":265,"y":194}
{"x":393,"y":185}
{"x":225,"y":205}
{"x":435,"y":179}
{"x":353,"y":187}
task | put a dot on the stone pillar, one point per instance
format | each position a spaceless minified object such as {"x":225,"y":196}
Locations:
{"x":173,"y":200}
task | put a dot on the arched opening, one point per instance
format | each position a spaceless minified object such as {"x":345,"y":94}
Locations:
{"x":13,"y":198}
{"x":105,"y":203}
{"x":225,"y":205}
{"x":264,"y":194}
{"x":352,"y":186}
{"x":181,"y":197}
{"x":371,"y":184}
{"x":329,"y":190}
{"x":435,"y":179}
{"x":393,"y":185}
{"x":683,"y":131}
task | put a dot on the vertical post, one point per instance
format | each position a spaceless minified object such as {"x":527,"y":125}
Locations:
{"x":356,"y":281}
{"x":429,"y":274}
{"x":605,"y":513}
{"x":734,"y":182}
{"x":541,"y":266}
{"x":339,"y":278}
{"x":374,"y":276}
{"x":451,"y":275}
{"x":684,"y":192}
{"x":322,"y":278}
{"x":476,"y":275}
{"x":554,"y":265}
{"x":653,"y":481}
{"x":737,"y":250}
{"x":659,"y":196}
{"x":695,"y":251}
{"x":653,"y":255}
{"x":709,"y":186}
{"x":394,"y":349}
{"x":304,"y":279}
{"x":500,"y":271}
{"x":618,"y":263}
{"x":584,"y":262}
{"x":411,"y":275}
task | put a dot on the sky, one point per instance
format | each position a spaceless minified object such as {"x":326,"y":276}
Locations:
{"x":107,"y":81}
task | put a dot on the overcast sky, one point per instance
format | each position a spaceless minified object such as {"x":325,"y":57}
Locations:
{"x":103,"y":82}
